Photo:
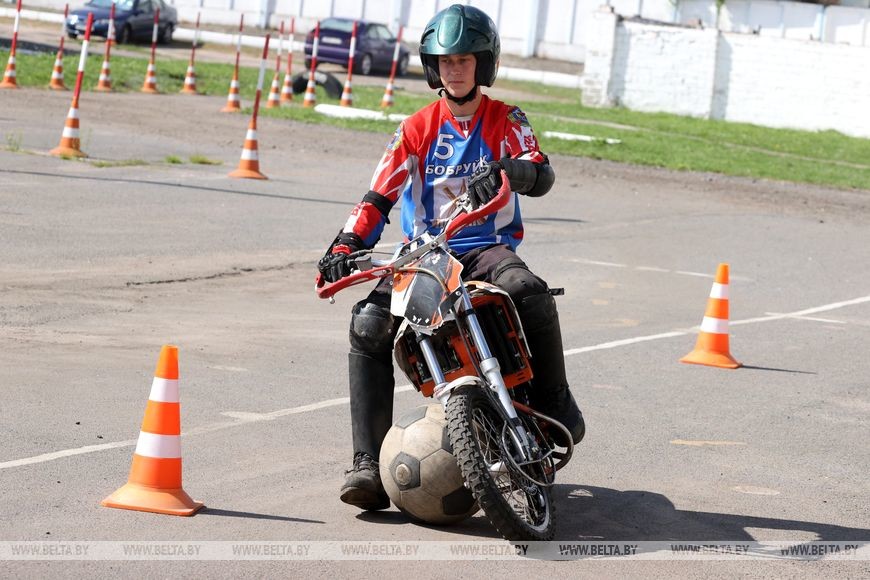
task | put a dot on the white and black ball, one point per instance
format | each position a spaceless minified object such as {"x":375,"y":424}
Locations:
{"x":418,"y":469}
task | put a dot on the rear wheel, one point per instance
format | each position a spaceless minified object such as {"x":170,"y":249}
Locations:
{"x":125,"y":35}
{"x":166,"y":35}
{"x":517,"y":505}
{"x":364,"y":66}
{"x":402,"y":68}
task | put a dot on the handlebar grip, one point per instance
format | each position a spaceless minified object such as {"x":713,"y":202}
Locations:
{"x":496,"y":203}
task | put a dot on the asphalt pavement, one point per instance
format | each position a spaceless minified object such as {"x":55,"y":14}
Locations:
{"x":101,"y":265}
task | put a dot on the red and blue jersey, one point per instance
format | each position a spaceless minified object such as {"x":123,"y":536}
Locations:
{"x":427,"y":164}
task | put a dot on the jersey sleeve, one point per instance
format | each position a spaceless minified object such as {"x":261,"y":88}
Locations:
{"x":391,"y":176}
{"x":521,"y":140}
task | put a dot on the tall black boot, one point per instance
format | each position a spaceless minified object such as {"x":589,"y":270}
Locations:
{"x":371,"y":415}
{"x":549,"y":393}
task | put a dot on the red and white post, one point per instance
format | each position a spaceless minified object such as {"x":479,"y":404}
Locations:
{"x":387,"y":101}
{"x":189,"y":87}
{"x":69,"y":140}
{"x":234,"y":103}
{"x":56,"y":83}
{"x":150,"y":84}
{"x":287,"y":88}
{"x":310,"y":96}
{"x":249,"y":164}
{"x":104,"y":84}
{"x":9,"y":78}
{"x":274,"y":100}
{"x":347,"y":93}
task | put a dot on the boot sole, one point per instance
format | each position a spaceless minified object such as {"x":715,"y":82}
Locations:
{"x":364,"y":499}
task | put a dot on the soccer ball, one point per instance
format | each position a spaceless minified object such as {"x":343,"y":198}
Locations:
{"x":418,"y":469}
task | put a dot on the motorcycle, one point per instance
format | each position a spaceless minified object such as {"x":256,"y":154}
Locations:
{"x":462,"y":343}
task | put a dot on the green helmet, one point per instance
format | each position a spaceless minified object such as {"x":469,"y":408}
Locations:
{"x":461,"y":29}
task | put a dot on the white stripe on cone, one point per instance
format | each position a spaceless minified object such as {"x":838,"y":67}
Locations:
{"x":160,"y":446}
{"x":164,"y":390}
{"x":70,"y":133}
{"x":250,"y":155}
{"x":251,"y":135}
{"x":714,"y":325}
{"x":719,"y":291}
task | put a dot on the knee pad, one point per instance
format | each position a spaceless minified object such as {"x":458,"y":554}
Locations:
{"x":537,"y":311}
{"x":372,"y":328}
{"x":515,"y":278}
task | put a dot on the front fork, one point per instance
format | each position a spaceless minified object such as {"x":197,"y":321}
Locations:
{"x":490,"y":369}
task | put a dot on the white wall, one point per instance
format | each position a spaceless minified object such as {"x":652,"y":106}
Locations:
{"x":546,"y":28}
{"x":656,"y":64}
{"x":777,"y":82}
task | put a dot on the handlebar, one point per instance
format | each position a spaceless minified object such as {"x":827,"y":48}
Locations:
{"x":460,"y":220}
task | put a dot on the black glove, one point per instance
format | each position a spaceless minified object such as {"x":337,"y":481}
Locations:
{"x":334,"y":264}
{"x":484,"y":184}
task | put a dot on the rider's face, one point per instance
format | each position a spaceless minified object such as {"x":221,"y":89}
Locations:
{"x":457,"y":73}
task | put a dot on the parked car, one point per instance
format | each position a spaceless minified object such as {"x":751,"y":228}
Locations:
{"x":374,"y":46}
{"x":134,"y":19}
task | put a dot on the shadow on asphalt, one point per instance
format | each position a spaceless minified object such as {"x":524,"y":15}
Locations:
{"x":207,"y":511}
{"x":477,"y":526}
{"x":598,"y":513}
{"x":602,"y":514}
{"x":182,"y":185}
{"x":780,"y":370}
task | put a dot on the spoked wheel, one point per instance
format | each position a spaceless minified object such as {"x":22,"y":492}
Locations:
{"x":513,"y":493}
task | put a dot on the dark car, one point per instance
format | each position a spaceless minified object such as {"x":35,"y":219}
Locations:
{"x":134,"y":19}
{"x":374,"y":46}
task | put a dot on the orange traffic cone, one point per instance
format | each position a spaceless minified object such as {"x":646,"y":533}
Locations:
{"x":150,"y":84}
{"x":189,"y":87}
{"x":57,"y":83}
{"x":233,"y":102}
{"x":387,"y":100}
{"x":249,"y":165}
{"x":154,"y":484}
{"x":70,"y":145}
{"x":310,"y":98}
{"x":712,"y":348}
{"x":274,"y":99}
{"x":9,"y":79}
{"x":347,"y":94}
{"x":104,"y":84}
{"x":287,"y":89}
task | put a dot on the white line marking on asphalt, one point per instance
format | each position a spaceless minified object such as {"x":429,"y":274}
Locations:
{"x":755,"y":490}
{"x":691,"y":443}
{"x":66,"y":453}
{"x":809,"y":318}
{"x":650,"y":269}
{"x":245,"y":418}
{"x":598,"y":263}
{"x":654,"y":269}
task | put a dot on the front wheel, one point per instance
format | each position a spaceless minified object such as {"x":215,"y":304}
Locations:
{"x":520,"y":508}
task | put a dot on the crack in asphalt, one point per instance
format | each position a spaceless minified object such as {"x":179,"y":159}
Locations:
{"x":218,"y":275}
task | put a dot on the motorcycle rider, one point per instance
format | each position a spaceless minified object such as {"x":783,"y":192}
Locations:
{"x":455,"y":145}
